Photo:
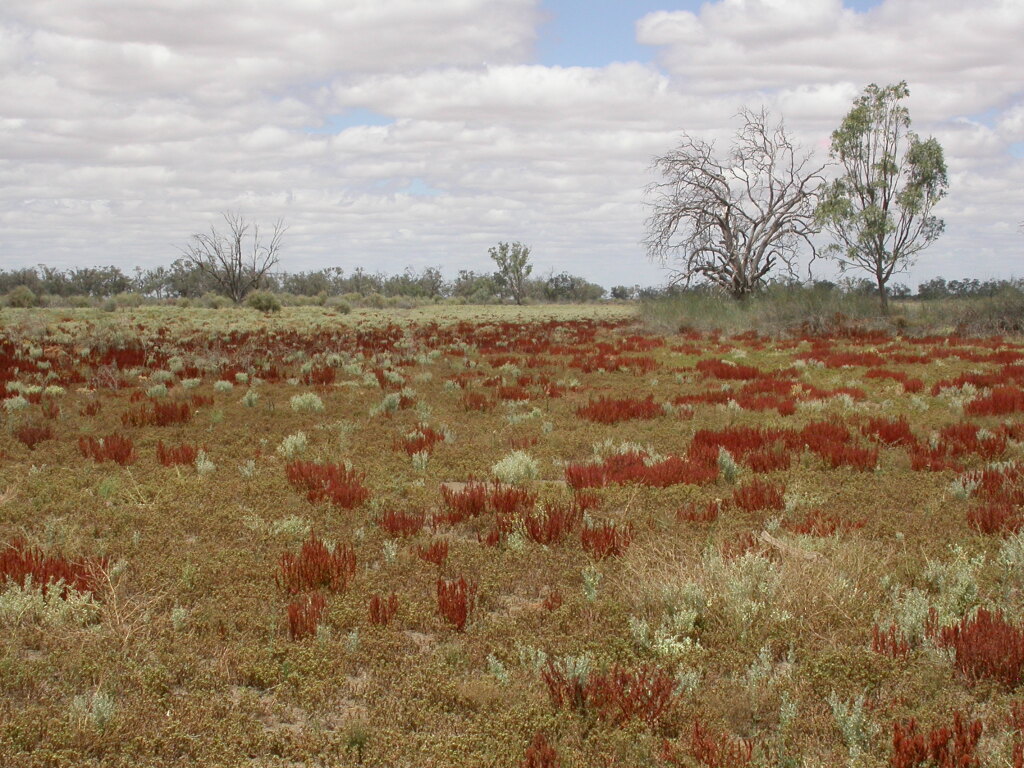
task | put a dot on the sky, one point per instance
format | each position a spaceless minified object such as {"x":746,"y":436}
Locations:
{"x":400,"y":133}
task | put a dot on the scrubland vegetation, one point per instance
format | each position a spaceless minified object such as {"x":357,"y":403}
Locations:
{"x":507,"y":536}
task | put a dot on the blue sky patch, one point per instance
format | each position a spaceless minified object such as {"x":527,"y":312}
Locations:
{"x":420,"y":188}
{"x":349,"y":118}
{"x":594,"y":33}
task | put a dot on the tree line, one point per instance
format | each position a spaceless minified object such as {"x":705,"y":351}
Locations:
{"x":185,"y":280}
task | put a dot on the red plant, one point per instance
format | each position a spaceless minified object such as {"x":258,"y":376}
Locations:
{"x":382,"y":609}
{"x":540,"y":754}
{"x":159,"y":415}
{"x":553,"y":524}
{"x":617,"y":695}
{"x":91,"y":408}
{"x":304,"y":615}
{"x":338,"y":484}
{"x":316,"y":566}
{"x":585,"y":476}
{"x":31,"y":435}
{"x":632,"y":467}
{"x":553,"y":600}
{"x":436,"y":552}
{"x":183,"y":454}
{"x":943,"y":747}
{"x":51,"y":409}
{"x":996,"y":517}
{"x":585,"y":501}
{"x":606,"y":540}
{"x":890,"y":642}
{"x":514,"y":392}
{"x":423,"y":438}
{"x":114,"y":448}
{"x":522,"y":443}
{"x":1016,"y":722}
{"x":741,"y":545}
{"x":692,"y":513}
{"x":476,"y":401}
{"x":470,"y":501}
{"x":510,"y":499}
{"x":713,"y":748}
{"x":768,"y":460}
{"x":621,"y":695}
{"x":889,"y":431}
{"x":987,"y":646}
{"x":720,"y":369}
{"x":837,"y":455}
{"x":456,"y":600}
{"x":963,"y":439}
{"x":20,"y":562}
{"x":999,"y":402}
{"x":320,"y":376}
{"x":909,"y":385}
{"x":609,"y":411}
{"x":401,"y":523}
{"x":759,"y":494}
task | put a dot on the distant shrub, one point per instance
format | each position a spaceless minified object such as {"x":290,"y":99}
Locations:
{"x":128,"y":299}
{"x":215,"y":301}
{"x":264,"y":301}
{"x":21,"y":297}
{"x":339,"y":305}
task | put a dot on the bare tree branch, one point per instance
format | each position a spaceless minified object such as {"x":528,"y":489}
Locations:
{"x":731,"y":222}
{"x":236,"y":260}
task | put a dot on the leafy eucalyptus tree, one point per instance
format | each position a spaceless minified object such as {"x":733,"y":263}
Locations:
{"x":513,"y":262}
{"x":730,"y":220}
{"x":879,"y":209}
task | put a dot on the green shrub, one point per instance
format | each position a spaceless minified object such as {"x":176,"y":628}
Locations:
{"x":215,"y":301}
{"x":21,"y":297}
{"x":307,"y":402}
{"x":339,"y":305}
{"x":264,"y":301}
{"x":128,"y":300}
{"x":517,"y":467}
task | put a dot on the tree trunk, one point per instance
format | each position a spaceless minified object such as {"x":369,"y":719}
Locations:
{"x":882,"y":296}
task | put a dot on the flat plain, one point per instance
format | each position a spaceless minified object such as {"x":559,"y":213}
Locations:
{"x":505,"y":537}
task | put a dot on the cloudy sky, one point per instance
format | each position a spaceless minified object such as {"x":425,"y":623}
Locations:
{"x":395,"y":133}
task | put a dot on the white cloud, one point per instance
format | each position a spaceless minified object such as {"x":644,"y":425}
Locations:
{"x":126,"y":125}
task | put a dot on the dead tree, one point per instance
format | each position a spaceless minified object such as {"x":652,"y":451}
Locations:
{"x":731,"y":222}
{"x":236,"y":260}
